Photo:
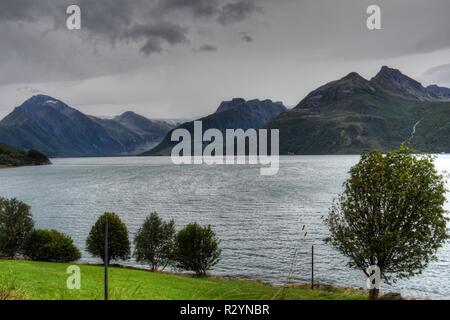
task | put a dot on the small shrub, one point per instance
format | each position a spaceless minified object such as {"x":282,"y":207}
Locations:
{"x":118,"y":242}
{"x":154,"y":242}
{"x":16,"y":223}
{"x":51,"y":245}
{"x":197,"y":249}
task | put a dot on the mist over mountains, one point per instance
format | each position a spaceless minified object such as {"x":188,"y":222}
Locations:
{"x":344,"y":116}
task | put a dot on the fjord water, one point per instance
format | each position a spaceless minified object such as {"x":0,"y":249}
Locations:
{"x":261,"y":220}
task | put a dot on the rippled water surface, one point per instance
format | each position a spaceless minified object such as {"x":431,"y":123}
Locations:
{"x":260,"y":219}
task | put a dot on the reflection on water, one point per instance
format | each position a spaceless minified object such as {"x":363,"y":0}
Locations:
{"x":258,"y":218}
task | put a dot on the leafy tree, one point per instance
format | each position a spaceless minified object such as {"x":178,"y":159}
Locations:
{"x":118,"y":242}
{"x":154,"y":242}
{"x":390,"y":214}
{"x":197,"y":249}
{"x":51,"y":245}
{"x":16,"y":222}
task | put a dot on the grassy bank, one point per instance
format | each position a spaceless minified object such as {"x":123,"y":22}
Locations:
{"x":41,"y":280}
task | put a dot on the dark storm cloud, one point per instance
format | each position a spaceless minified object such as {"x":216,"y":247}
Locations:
{"x":118,"y":20}
{"x":155,"y":34}
{"x":143,"y":21}
{"x":108,"y":18}
{"x":237,"y":11}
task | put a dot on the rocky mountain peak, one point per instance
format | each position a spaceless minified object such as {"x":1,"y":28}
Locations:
{"x":237,"y":103}
{"x":401,"y":85}
{"x":442,"y":92}
{"x":227,"y":105}
{"x":40,"y":100}
{"x":351,"y":85}
{"x":354,"y":76}
{"x":128,"y":114}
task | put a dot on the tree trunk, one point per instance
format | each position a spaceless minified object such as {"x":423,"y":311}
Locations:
{"x":373,"y":294}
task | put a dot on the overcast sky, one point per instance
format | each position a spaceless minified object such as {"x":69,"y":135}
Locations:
{"x":181,"y":58}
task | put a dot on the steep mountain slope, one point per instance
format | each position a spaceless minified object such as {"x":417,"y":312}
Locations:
{"x":235,"y":114}
{"x":51,"y":126}
{"x":397,"y":84}
{"x":353,"y":114}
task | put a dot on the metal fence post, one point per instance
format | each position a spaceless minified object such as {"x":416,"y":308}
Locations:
{"x":312,"y":267}
{"x":106,"y":260}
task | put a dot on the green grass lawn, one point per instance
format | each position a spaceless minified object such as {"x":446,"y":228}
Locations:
{"x":41,"y":280}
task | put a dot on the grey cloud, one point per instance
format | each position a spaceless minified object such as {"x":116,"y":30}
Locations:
{"x":109,"y":19}
{"x":155,"y":34}
{"x":208,"y":48}
{"x":200,"y":8}
{"x":439,"y":75}
{"x":100,"y":19}
{"x":226,"y":12}
{"x":41,"y":49}
{"x":29,"y":90}
{"x":118,"y":20}
{"x":246,"y":37}
{"x":437,"y":69}
{"x":237,"y":11}
{"x":408,"y":27}
{"x":24,"y":10}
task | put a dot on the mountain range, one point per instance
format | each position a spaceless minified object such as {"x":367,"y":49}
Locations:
{"x":440,"y":91}
{"x":235,"y":114}
{"x":344,"y":116}
{"x":353,"y":114}
{"x":52,"y":127}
